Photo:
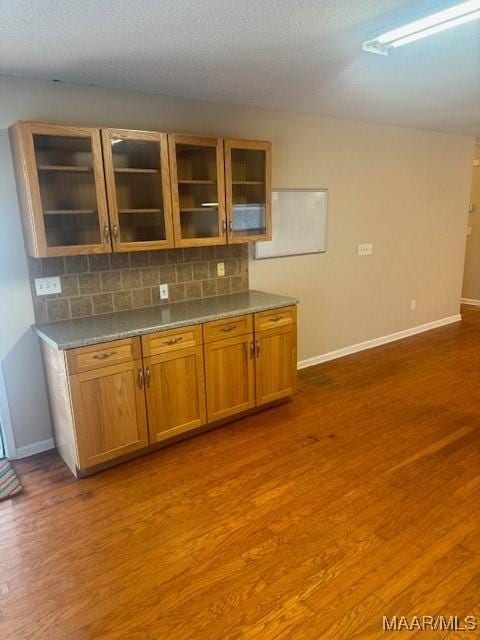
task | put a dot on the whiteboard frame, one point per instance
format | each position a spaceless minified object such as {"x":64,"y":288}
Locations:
{"x":299,"y":253}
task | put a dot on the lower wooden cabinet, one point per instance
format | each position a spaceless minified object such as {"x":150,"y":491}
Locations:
{"x":276,"y":363}
{"x":230,"y":376}
{"x":109,"y":410}
{"x":253,"y":369}
{"x":113,"y":399}
{"x":175,"y":387}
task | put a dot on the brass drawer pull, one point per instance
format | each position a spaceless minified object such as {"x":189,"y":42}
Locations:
{"x":173,"y":340}
{"x":276,"y":319}
{"x":106,"y":232}
{"x":115,"y":232}
{"x":230,"y":327}
{"x":257,"y":344}
{"x":252,"y":350}
{"x":147,"y":376}
{"x":104,"y":356}
{"x":140,"y":378}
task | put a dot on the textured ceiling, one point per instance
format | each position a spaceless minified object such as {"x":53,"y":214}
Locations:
{"x":283,"y":54}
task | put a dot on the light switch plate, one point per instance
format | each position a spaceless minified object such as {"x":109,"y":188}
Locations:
{"x":220,"y":268}
{"x":365,"y":249}
{"x":164,"y":292}
{"x":48,"y":286}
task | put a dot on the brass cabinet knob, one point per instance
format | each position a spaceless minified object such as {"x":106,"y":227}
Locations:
{"x":230,"y":327}
{"x":104,"y":356}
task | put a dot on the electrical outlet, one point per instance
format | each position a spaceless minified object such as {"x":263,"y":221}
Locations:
{"x":413,"y":305}
{"x":164,"y":292}
{"x":469,"y":231}
{"x":365,"y":249}
{"x":47,"y":286}
{"x":220,"y":268}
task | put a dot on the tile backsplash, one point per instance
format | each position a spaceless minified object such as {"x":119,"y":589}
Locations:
{"x":102,"y":283}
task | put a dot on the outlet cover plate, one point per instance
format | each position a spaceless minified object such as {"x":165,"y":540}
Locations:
{"x":164,"y":292}
{"x":365,"y":249}
{"x":48,"y":286}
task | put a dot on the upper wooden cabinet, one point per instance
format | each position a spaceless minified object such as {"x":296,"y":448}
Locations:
{"x":138,"y":189}
{"x":163,"y":190}
{"x":61,"y":188}
{"x":198,"y":195}
{"x":248,"y":168}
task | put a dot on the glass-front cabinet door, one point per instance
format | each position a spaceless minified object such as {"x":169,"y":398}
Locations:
{"x":248,"y":190}
{"x":65,"y":190}
{"x":138,"y":189}
{"x":198,"y":196}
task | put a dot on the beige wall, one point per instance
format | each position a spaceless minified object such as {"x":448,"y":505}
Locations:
{"x":404,"y":190}
{"x":471,"y":276}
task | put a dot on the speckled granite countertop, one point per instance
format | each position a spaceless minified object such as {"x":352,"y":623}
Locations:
{"x":69,"y":334}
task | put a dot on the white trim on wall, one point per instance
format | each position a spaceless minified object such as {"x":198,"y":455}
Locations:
{"x":35,"y":447}
{"x":5,"y":419}
{"x":470,"y":301}
{"x":376,"y":342}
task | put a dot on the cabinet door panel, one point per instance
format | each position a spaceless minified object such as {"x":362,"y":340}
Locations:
{"x":248,"y":190}
{"x":230,"y":373}
{"x":175,"y":392}
{"x":109,"y":412}
{"x":276,"y":363}
{"x":198,"y":194}
{"x":138,"y":187}
{"x":61,"y":186}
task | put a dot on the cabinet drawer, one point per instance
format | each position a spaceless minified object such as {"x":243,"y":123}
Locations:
{"x":164,"y":341}
{"x":104,"y":354}
{"x":227,"y":328}
{"x":275,"y":318}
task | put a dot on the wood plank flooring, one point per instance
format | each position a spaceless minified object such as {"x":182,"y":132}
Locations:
{"x":310,"y":521}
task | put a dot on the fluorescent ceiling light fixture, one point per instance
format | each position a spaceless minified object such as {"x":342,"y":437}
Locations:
{"x":434,"y":23}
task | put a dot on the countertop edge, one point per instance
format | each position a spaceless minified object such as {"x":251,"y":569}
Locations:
{"x":138,"y":331}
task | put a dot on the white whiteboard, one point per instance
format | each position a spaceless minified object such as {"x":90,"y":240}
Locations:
{"x":299,"y":223}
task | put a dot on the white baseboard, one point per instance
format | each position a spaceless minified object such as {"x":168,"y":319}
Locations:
{"x":376,"y":342}
{"x":35,"y":447}
{"x":470,"y":301}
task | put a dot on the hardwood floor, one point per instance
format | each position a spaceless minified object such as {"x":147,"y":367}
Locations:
{"x":312,"y":520}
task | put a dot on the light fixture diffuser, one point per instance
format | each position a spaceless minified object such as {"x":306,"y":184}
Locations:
{"x":427,"y":26}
